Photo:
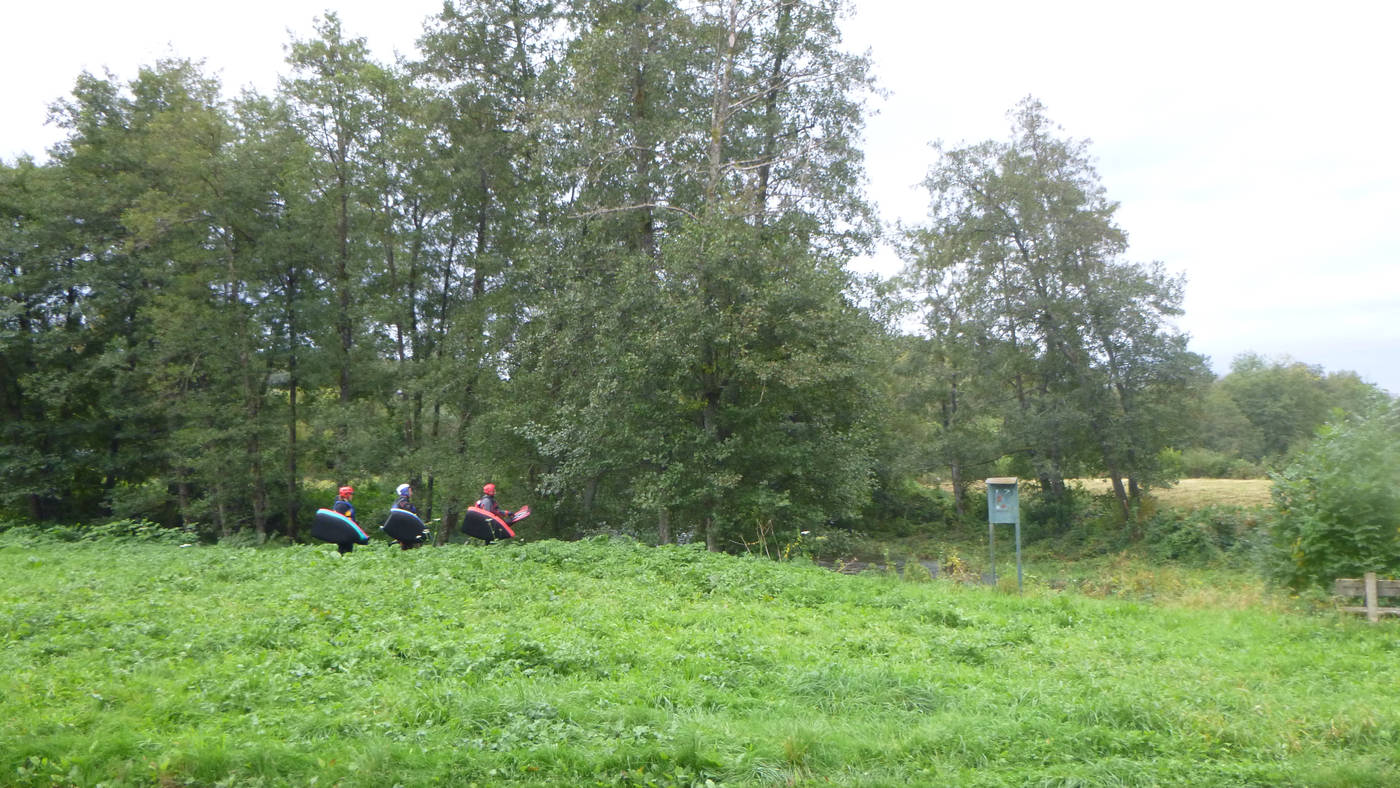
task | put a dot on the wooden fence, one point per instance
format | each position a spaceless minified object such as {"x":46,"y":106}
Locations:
{"x":1370,"y":590}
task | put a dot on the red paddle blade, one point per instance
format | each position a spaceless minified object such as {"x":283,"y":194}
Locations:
{"x":520,"y":514}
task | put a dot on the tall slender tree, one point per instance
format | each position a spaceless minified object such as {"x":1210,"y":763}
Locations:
{"x":334,"y":108}
{"x":1022,"y":236}
{"x":481,"y":65}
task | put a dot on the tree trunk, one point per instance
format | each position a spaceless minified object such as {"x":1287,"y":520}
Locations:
{"x":292,"y":502}
{"x":109,"y":480}
{"x":663,"y":526}
{"x":770,"y":114}
{"x":1119,"y":492}
{"x":955,"y":476}
{"x":590,"y":491}
{"x":290,"y":314}
{"x":644,"y":154}
{"x":955,"y":467}
{"x":220,"y":517}
{"x":182,"y":498}
{"x":449,"y":525}
{"x":342,"y":284}
{"x":719,"y":109}
{"x":259,"y":493}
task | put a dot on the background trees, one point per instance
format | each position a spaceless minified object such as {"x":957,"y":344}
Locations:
{"x":703,"y":362}
{"x":593,"y":251}
{"x":1023,"y":282}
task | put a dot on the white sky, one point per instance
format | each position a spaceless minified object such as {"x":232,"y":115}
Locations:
{"x":1251,"y":144}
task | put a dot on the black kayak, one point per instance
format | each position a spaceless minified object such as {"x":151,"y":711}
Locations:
{"x":334,"y":527}
{"x":405,"y":526}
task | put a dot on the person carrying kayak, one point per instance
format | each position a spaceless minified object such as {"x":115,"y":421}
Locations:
{"x":343,"y":506}
{"x":488,"y":502}
{"x":405,"y":503}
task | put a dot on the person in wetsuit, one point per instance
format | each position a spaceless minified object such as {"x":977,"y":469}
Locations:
{"x":405,"y":494}
{"x":488,"y":502}
{"x":343,"y":506}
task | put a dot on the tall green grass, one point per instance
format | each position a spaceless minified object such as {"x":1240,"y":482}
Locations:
{"x":608,"y":663}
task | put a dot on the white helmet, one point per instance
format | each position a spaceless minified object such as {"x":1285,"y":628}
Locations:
{"x":404,"y":489}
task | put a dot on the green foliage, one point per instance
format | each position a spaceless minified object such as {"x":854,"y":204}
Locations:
{"x":594,"y":252}
{"x":111,"y":532}
{"x":1201,"y":463}
{"x":1022,"y":281}
{"x":1205,"y":536}
{"x":1058,"y":514}
{"x":555,"y":253}
{"x":604,"y":662}
{"x":829,"y":545}
{"x":1338,"y":502}
{"x":1264,"y":409}
{"x":905,"y":506}
{"x":694,"y":362}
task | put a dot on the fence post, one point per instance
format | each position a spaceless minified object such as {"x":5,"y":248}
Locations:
{"x":1372,"y":600}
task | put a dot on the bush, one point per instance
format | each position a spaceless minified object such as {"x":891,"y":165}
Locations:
{"x":1208,"y":535}
{"x":136,"y":531}
{"x":908,"y":507}
{"x":115,"y":530}
{"x":829,"y":545}
{"x":1199,"y":463}
{"x":1057,"y":515}
{"x":1338,"y":503}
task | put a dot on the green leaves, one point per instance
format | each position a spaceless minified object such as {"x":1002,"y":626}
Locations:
{"x":1339,"y":502}
{"x":1028,"y":303}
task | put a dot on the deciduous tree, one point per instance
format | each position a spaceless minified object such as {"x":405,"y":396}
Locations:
{"x":1022,"y":240}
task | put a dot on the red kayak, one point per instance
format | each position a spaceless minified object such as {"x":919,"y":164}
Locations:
{"x":489,"y":526}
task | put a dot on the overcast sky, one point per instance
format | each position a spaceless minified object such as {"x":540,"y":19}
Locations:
{"x":1250,"y":144}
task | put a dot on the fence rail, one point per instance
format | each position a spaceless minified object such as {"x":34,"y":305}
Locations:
{"x":1370,"y":590}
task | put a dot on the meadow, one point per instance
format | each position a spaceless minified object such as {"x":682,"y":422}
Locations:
{"x":1196,"y":493}
{"x":605,"y":662}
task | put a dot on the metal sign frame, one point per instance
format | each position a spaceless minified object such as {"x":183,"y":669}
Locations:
{"x":1003,"y":506}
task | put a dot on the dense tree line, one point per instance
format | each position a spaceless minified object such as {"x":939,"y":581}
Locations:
{"x":1265,"y":410}
{"x":591,"y":250}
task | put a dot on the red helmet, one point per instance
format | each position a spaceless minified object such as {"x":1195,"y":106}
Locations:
{"x":489,"y":489}
{"x":344,"y":491}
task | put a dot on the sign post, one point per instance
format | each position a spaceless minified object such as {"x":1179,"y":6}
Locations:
{"x":1003,"y":506}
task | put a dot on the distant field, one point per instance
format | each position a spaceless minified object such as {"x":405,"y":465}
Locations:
{"x":1195,"y":493}
{"x":608,"y":663}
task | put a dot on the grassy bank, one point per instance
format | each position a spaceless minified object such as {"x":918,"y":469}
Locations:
{"x":607,"y":663}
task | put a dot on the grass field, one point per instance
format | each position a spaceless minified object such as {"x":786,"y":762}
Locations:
{"x":608,"y":663}
{"x":1196,"y":493}
{"x":1190,"y":493}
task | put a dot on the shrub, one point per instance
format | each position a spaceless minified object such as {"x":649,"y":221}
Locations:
{"x":908,"y":507}
{"x":1199,"y":463}
{"x":114,"y":530}
{"x":1057,"y":515}
{"x":1338,"y":503}
{"x":1202,"y":536}
{"x":135,"y":531}
{"x":828,"y":544}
